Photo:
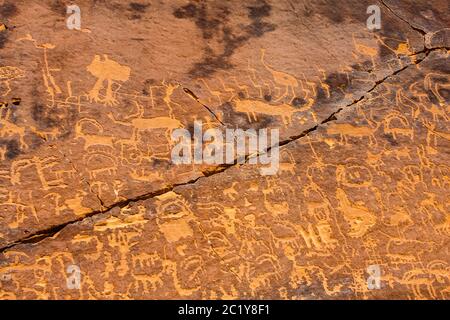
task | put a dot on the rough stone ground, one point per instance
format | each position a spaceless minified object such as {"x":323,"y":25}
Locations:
{"x":87,"y":179}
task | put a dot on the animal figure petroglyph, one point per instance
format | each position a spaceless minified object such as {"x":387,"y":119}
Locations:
{"x":391,"y":126}
{"x":92,"y":139}
{"x":432,"y":129}
{"x":252,"y":107}
{"x":358,"y":216}
{"x":8,"y":128}
{"x":281,"y":78}
{"x":346,"y":129}
{"x":423,"y":281}
{"x":46,"y":135}
{"x":431,"y":83}
{"x":109,"y":71}
{"x":141,"y":124}
{"x":365,"y":50}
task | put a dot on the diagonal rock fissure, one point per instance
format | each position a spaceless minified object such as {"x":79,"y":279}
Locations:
{"x":422,"y":32}
{"x":194,"y":96}
{"x":82,"y":178}
{"x":52,"y":231}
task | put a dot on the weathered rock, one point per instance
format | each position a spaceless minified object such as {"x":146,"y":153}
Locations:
{"x":85,"y":147}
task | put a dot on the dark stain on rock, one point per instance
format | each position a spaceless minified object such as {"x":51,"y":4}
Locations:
{"x":258,"y":27}
{"x":60,"y":117}
{"x":298,"y":102}
{"x":59,"y":7}
{"x":190,"y":128}
{"x":4,"y":36}
{"x":268,"y":97}
{"x":148,"y":83}
{"x":188,"y":11}
{"x":208,"y":26}
{"x":161,"y":163}
{"x":8,"y":10}
{"x":43,"y":117}
{"x":338,"y":84}
{"x":3,"y":39}
{"x":445,"y":94}
{"x":364,"y":66}
{"x":432,"y":97}
{"x":137,"y":9}
{"x":12,"y":148}
{"x":259,"y":12}
{"x":337,"y":80}
{"x":214,"y":23}
{"x":336,"y":12}
{"x":16,"y":101}
{"x":440,"y":66}
{"x":390,"y":138}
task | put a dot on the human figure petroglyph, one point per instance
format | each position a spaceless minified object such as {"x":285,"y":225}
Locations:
{"x":441,"y":176}
{"x":254,"y":81}
{"x":110,"y":71}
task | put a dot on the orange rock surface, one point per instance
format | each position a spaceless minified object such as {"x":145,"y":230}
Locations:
{"x":89,"y":191}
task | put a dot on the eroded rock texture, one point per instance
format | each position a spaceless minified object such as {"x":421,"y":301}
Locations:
{"x":87,"y":178}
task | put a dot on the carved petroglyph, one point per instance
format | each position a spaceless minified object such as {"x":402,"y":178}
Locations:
{"x":109,"y":71}
{"x":252,"y":107}
{"x":8,"y":73}
{"x":87,"y":181}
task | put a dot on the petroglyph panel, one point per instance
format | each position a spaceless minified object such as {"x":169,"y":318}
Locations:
{"x":370,"y":187}
{"x":107,"y":97}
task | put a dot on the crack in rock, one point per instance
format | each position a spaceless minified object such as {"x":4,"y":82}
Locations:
{"x":41,"y":235}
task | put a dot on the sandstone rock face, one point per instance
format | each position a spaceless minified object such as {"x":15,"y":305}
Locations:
{"x":92,"y":204}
